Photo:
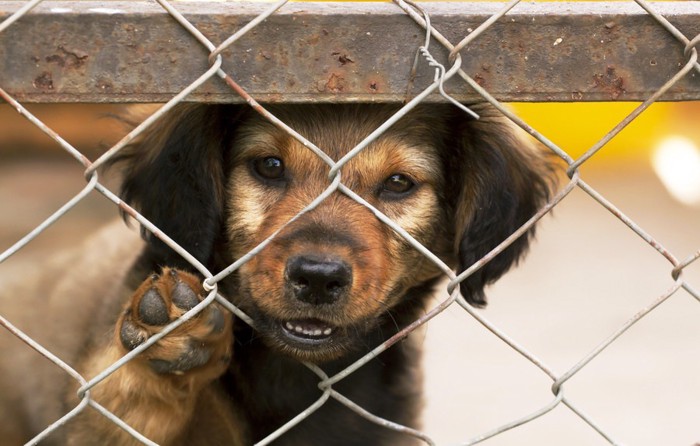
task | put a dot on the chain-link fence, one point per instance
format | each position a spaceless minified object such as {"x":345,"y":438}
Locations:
{"x":435,"y":70}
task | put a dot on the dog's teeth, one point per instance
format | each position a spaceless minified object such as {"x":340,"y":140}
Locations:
{"x":308,"y":331}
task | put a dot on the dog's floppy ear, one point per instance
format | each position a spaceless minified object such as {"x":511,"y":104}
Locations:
{"x":174,"y":174}
{"x":498,"y":181}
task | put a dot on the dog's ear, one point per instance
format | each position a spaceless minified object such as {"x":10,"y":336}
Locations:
{"x":174,"y":175}
{"x":498,"y":181}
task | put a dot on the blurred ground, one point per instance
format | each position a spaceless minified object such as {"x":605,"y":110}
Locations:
{"x":586,"y":275}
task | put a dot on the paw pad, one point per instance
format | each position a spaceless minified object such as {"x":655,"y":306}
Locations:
{"x":152,"y":309}
{"x":184,"y":297}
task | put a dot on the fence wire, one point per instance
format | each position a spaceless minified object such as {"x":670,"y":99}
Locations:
{"x":443,"y":71}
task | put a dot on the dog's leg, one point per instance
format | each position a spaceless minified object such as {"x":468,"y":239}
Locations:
{"x":169,"y":391}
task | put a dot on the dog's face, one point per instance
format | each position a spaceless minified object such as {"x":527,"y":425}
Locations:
{"x":333,"y":274}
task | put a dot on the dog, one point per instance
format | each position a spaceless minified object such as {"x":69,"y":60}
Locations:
{"x":328,"y":287}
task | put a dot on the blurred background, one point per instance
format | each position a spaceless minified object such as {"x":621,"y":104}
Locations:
{"x":587,"y":275}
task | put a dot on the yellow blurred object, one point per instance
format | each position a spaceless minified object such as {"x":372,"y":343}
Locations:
{"x":576,"y":127}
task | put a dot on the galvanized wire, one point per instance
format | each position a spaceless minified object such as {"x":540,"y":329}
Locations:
{"x":21,"y":12}
{"x":444,"y":71}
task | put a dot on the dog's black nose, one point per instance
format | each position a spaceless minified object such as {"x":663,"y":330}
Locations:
{"x":318,"y":281}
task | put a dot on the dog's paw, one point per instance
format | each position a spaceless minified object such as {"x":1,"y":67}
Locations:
{"x":201,"y":345}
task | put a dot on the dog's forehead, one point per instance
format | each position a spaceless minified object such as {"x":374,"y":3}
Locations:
{"x":410,"y":143}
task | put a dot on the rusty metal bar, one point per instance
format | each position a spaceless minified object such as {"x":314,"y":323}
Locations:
{"x":134,"y":51}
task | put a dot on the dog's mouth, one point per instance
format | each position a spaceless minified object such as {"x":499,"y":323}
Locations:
{"x":311,"y":331}
{"x":308,"y":339}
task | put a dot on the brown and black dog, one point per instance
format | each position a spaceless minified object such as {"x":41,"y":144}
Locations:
{"x":329,"y":287}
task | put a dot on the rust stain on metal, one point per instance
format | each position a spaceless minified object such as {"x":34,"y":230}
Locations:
{"x":44,"y":81}
{"x":73,"y":57}
{"x":66,"y":58}
{"x":479,"y":79}
{"x":55,"y":58}
{"x":610,"y":82}
{"x":374,"y":83}
{"x":344,"y":59}
{"x":335,"y":84}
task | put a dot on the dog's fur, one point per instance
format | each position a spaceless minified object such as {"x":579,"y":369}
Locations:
{"x":211,"y":177}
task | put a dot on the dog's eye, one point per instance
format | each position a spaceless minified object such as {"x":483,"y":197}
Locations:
{"x":398,"y":184}
{"x":269,"y":168}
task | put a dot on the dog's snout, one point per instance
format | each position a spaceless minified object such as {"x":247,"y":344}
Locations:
{"x":318,"y":281}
